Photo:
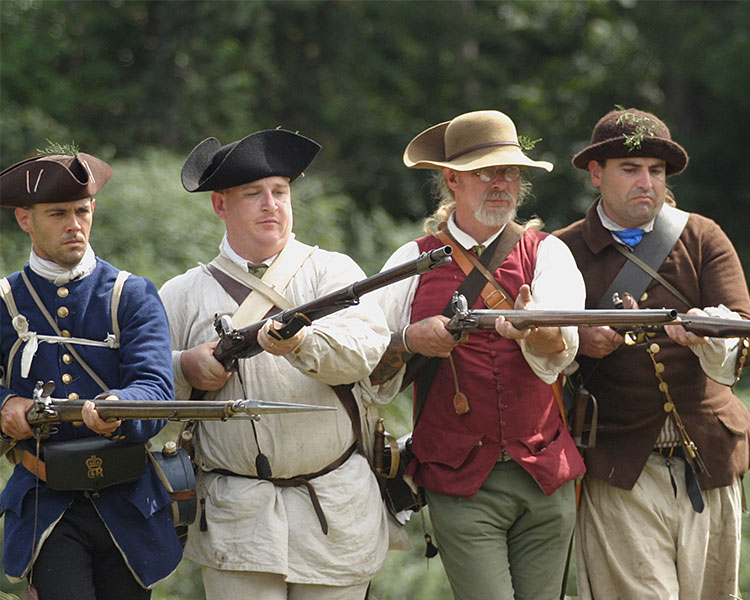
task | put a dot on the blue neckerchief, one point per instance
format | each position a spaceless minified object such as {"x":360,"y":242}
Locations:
{"x":630,"y":237}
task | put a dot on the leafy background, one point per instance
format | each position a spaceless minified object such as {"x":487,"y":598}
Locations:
{"x":140,"y":83}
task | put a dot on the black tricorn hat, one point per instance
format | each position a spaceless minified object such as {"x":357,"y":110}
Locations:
{"x":53,"y":178}
{"x":631,"y":132}
{"x":211,"y":166}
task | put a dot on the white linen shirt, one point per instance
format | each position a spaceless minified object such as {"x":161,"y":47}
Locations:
{"x":254,"y":525}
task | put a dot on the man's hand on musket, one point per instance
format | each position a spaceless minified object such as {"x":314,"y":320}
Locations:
{"x":13,"y":418}
{"x":275,"y":346}
{"x":544,"y":340}
{"x":201,"y":369}
{"x":93,"y":421}
{"x":429,"y":337}
{"x":598,"y":342}
{"x":682,"y":336}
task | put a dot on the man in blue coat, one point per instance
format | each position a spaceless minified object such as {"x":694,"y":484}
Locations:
{"x":73,"y":319}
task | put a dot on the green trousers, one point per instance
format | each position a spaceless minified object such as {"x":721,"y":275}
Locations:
{"x":509,"y":542}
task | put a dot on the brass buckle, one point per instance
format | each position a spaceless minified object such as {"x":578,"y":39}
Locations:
{"x":493,"y":305}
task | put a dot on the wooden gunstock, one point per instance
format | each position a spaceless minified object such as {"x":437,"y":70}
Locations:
{"x":522,"y":319}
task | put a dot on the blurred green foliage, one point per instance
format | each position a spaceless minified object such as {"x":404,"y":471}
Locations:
{"x":363,"y":78}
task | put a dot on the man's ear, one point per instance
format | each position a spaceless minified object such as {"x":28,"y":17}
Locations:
{"x":217,"y":201}
{"x":451,"y":178}
{"x":595,"y":173}
{"x":23,"y":218}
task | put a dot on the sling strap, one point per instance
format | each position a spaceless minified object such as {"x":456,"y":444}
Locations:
{"x":644,"y":262}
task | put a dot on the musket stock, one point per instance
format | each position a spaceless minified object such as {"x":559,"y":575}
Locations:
{"x":634,"y":320}
{"x":465,"y":319}
{"x":243,"y":343}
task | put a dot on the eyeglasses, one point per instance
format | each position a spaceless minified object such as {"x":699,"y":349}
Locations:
{"x":490,"y":173}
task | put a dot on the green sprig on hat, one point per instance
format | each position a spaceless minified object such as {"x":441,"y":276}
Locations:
{"x":643,"y":126}
{"x":53,"y":148}
{"x":527,"y":143}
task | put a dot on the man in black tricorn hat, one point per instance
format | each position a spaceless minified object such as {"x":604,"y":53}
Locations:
{"x":289,"y":508}
{"x":94,"y":331}
{"x":660,"y":506}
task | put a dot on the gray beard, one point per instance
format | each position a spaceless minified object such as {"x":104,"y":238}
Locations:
{"x":493,"y":217}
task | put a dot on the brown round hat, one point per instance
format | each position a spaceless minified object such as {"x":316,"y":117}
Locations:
{"x":53,"y":178}
{"x":631,"y":132}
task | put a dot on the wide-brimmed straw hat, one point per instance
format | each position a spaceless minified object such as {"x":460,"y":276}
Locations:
{"x":631,"y":132}
{"x":211,"y":166}
{"x":53,"y":178}
{"x":474,"y":140}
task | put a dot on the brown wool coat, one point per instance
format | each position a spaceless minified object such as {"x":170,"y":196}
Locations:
{"x":704,"y":266}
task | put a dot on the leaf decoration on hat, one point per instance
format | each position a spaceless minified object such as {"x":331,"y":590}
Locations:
{"x":527,"y":143}
{"x":53,"y":148}
{"x":642,"y":127}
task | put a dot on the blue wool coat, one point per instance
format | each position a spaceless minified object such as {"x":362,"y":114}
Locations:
{"x":136,"y":514}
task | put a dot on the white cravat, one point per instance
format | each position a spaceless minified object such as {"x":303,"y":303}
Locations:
{"x":58,"y":275}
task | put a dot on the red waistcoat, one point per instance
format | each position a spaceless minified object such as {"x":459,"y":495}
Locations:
{"x":510,"y":407}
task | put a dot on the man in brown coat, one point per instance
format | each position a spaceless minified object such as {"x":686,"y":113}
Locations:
{"x":661,"y":502}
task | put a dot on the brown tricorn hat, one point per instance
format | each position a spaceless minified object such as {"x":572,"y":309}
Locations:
{"x":474,"y":140}
{"x":631,"y":132}
{"x":211,"y":166}
{"x":53,"y":178}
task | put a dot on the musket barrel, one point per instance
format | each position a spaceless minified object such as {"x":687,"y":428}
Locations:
{"x":523,"y":319}
{"x":61,"y":410}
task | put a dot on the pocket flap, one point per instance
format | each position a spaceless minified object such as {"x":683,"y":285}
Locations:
{"x":446,"y":447}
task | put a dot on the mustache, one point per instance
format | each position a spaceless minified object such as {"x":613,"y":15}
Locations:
{"x":73,"y":237}
{"x":497,"y":195}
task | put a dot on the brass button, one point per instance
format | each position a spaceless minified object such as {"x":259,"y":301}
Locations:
{"x":63,"y":292}
{"x":65,"y":333}
{"x":73,"y":396}
{"x":644,"y":297}
{"x":67,"y":359}
{"x":67,"y":378}
{"x":63,"y":312}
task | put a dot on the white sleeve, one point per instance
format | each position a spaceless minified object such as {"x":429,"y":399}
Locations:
{"x":557,"y":284}
{"x":719,"y":357}
{"x":396,"y":301}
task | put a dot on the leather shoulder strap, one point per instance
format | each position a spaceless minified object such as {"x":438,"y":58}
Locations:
{"x":648,"y":256}
{"x":122,"y":277}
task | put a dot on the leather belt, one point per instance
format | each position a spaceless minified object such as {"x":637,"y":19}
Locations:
{"x":302,"y":480}
{"x":691,"y":482}
{"x":34,"y":465}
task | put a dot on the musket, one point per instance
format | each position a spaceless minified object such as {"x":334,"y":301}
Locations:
{"x":48,"y":411}
{"x":627,"y":320}
{"x":243,"y":343}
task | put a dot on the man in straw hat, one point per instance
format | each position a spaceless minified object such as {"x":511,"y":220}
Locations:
{"x":290,"y":508}
{"x":490,"y":447}
{"x":71,"y":318}
{"x":660,"y":507}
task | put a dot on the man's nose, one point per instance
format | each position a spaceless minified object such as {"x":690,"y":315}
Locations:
{"x":74,"y":223}
{"x":645,"y":181}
